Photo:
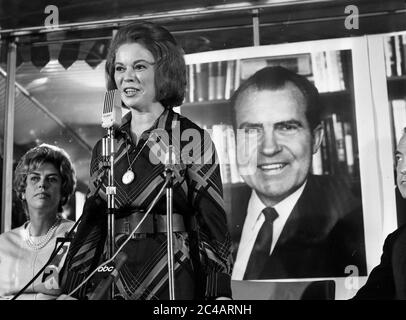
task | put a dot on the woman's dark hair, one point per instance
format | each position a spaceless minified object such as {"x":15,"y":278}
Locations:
{"x":39,"y":155}
{"x":170,"y":67}
{"x":274,"y":78}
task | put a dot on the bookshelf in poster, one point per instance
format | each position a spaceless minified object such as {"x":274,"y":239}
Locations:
{"x":328,"y":75}
{"x":211,"y":81}
{"x":216,"y":81}
{"x":225,"y":143}
{"x":336,"y":152}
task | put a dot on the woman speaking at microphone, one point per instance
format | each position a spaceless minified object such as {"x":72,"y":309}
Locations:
{"x":44,"y":181}
{"x":147,"y":66}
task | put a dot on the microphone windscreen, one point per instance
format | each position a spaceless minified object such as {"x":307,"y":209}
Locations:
{"x":111,"y":115}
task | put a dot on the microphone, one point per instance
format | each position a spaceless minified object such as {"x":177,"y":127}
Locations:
{"x":105,"y":284}
{"x":111,"y":115}
{"x":170,"y":158}
{"x":111,"y":120}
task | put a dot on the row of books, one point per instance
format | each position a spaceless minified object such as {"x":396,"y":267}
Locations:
{"x":395,"y":55}
{"x":218,"y":80}
{"x":328,"y":74}
{"x":300,"y":64}
{"x":336,"y":154}
{"x":324,"y":69}
{"x":223,"y":137}
{"x":212,"y":81}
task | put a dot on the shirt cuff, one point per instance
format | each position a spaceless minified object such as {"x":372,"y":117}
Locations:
{"x":218,"y":284}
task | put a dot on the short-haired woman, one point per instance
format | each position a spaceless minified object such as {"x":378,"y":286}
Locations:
{"x":147,"y":66}
{"x":44,"y":181}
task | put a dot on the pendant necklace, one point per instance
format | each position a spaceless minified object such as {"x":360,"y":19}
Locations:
{"x":129,"y":175}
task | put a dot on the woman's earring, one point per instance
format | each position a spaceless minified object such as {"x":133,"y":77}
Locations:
{"x":23,"y":196}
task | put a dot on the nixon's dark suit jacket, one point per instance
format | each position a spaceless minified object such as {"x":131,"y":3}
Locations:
{"x":388,"y":279}
{"x":322,"y":236}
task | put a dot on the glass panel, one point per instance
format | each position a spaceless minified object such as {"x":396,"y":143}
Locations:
{"x":59,"y":101}
{"x":3,"y":59}
{"x":314,"y":243}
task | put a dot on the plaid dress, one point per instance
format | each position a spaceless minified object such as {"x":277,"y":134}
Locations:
{"x":203,"y":262}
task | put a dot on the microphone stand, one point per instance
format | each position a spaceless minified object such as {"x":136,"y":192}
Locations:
{"x":169,"y":222}
{"x":108,"y":162}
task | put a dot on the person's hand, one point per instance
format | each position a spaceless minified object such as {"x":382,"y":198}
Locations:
{"x":65,"y":297}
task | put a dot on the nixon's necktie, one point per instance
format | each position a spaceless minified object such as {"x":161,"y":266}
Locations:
{"x":262,"y":247}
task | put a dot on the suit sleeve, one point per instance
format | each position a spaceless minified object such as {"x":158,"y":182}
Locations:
{"x":206,"y":196}
{"x":380,"y":283}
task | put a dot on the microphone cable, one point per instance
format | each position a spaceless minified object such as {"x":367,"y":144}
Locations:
{"x":53,"y":254}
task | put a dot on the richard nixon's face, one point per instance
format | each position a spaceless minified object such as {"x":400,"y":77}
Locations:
{"x":280,"y":160}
